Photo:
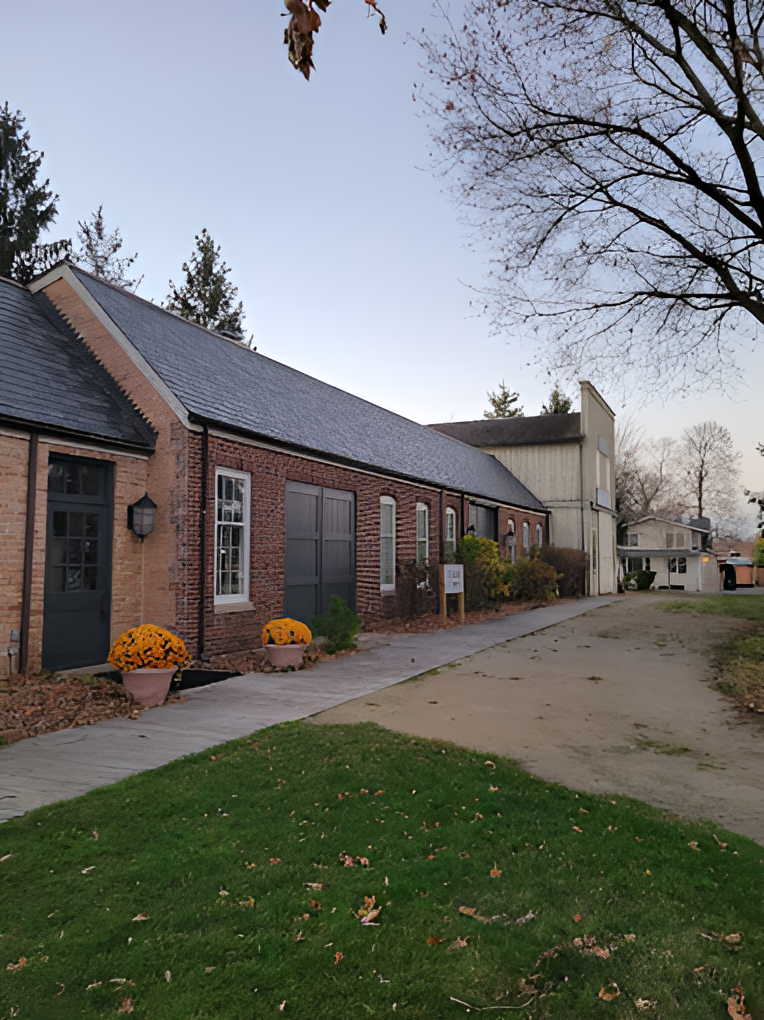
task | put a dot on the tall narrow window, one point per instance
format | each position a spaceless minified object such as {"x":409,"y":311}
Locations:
{"x":669,"y":539}
{"x":450,"y":531}
{"x":526,"y":538}
{"x":387,"y":543}
{"x":422,"y":533}
{"x":231,"y":536}
{"x":539,"y":536}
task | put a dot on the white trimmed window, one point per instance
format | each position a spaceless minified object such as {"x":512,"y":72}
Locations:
{"x":422,"y":533}
{"x":232,"y":495}
{"x":387,"y":543}
{"x":539,"y":536}
{"x":526,"y":538}
{"x":450,"y":531}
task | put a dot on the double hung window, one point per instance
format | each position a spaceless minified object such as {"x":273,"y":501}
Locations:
{"x":387,"y":543}
{"x":422,"y":533}
{"x":526,"y":539}
{"x":678,"y":565}
{"x":539,"y":536}
{"x":450,"y":531}
{"x":232,"y":493}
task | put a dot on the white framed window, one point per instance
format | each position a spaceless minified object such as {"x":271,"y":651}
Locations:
{"x":539,"y":536}
{"x":450,"y":531}
{"x":422,"y":533}
{"x":526,"y":538}
{"x":232,"y":521}
{"x":386,"y":543}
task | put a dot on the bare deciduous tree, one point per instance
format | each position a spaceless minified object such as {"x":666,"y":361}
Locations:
{"x":647,"y":477}
{"x":711,"y":471}
{"x":608,"y":150}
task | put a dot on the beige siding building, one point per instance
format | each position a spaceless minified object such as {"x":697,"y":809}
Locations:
{"x":567,"y":461}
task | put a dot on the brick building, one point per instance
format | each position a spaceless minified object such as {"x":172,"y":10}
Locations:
{"x":273,"y":490}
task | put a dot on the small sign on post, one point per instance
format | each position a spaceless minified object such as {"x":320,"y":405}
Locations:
{"x":451,"y":583}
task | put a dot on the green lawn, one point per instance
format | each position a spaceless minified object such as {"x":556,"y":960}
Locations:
{"x":741,"y":607}
{"x":177,"y":845}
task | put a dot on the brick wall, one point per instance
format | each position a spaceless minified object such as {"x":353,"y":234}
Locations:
{"x":14,"y":460}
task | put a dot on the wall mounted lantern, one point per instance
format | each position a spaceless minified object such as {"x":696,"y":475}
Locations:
{"x":140,"y":516}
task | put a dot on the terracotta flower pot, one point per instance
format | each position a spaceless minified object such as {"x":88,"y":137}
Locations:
{"x":149,"y":686}
{"x":282,"y":656}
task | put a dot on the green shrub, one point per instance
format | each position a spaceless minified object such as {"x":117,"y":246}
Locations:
{"x":534,"y":581}
{"x":339,"y":626}
{"x":484,"y":572}
{"x":639,"y":580}
{"x":758,"y":552}
{"x":571,"y":564}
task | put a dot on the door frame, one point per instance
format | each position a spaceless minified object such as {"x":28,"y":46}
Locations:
{"x":108,"y":504}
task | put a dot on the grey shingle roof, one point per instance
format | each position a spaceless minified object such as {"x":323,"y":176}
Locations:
{"x":542,"y":428}
{"x":224,"y":382}
{"x":49,"y":378}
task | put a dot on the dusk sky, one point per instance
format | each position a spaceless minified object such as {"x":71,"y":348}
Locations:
{"x":348,"y":254}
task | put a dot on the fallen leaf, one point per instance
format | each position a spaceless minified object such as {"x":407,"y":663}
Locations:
{"x":282,"y":1007}
{"x":736,"y":1005}
{"x":141,"y":917}
{"x":337,"y":958}
{"x":250,"y":866}
{"x":613,"y":802}
{"x":6,"y":857}
{"x":168,"y":976}
{"x":722,"y":845}
{"x":298,"y":937}
{"x":433,"y":940}
{"x":609,"y":996}
{"x":492,"y":764}
{"x":315,"y":885}
{"x":213,"y":757}
{"x":208,"y":970}
{"x":85,"y":871}
{"x":646,"y":1003}
{"x":630,"y":938}
{"x":639,"y":839}
{"x":315,"y":904}
{"x":612,"y":828}
{"x":600,"y":951}
{"x":126,"y":1007}
{"x":363,"y":791}
{"x":493,"y":789}
{"x":17,"y":966}
{"x":247,"y":903}
{"x":45,"y":959}
{"x":121,"y":981}
{"x":96,"y":984}
{"x":576,"y":918}
{"x":576,"y":829}
{"x":96,"y":834}
{"x":495,"y":872}
{"x":379,"y":793}
{"x":459,"y":943}
{"x":694,"y":846}
{"x":223,"y":892}
{"x":472,"y":912}
{"x":275,"y":860}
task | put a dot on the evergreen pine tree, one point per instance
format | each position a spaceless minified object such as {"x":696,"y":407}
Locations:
{"x":207,"y":297}
{"x":99,"y":252}
{"x":502,"y":404}
{"x":559,"y":403}
{"x":27,"y":206}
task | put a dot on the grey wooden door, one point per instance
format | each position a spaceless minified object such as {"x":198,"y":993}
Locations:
{"x":485,"y":520}
{"x":77,"y":604}
{"x":320,"y":549}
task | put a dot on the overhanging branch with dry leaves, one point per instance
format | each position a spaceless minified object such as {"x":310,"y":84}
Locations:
{"x":305,"y":22}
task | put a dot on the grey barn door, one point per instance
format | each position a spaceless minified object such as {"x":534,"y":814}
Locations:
{"x":320,"y":549}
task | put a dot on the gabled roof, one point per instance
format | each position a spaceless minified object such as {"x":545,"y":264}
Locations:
{"x":223,"y":382}
{"x":49,"y":378}
{"x":542,"y":428}
{"x":665,"y":520}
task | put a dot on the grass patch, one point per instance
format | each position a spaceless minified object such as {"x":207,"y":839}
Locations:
{"x":740,"y":607}
{"x":739,"y":665}
{"x":177,"y":844}
{"x":647,"y":744}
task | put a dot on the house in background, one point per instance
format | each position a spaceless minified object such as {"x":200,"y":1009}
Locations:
{"x":272,"y":491}
{"x":680,"y":554}
{"x":567,"y":461}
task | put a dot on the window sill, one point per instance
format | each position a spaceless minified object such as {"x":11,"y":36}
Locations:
{"x":234,"y":607}
{"x":387,"y":589}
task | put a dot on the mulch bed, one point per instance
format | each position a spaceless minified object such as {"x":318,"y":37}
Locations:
{"x":44,"y":703}
{"x":431,"y":622}
{"x":253,"y":660}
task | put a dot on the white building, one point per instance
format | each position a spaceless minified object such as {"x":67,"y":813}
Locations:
{"x":680,"y":554}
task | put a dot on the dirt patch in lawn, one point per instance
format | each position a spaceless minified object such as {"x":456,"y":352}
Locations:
{"x":44,"y":703}
{"x":621,"y":699}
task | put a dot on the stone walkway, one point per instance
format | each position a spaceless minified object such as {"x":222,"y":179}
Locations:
{"x":62,"y":765}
